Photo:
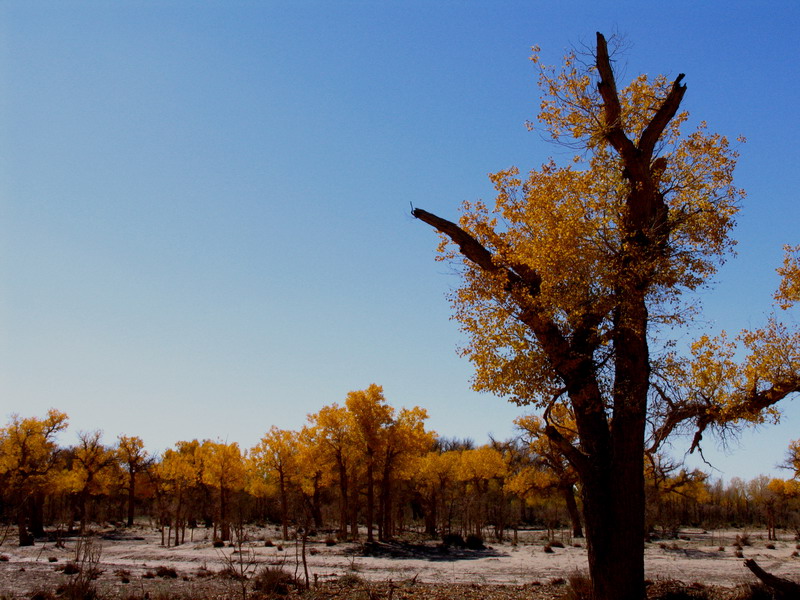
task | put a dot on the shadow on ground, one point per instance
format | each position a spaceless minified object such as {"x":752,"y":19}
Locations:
{"x":438,"y":552}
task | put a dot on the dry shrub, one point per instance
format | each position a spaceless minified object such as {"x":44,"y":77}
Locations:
{"x":474,"y":542}
{"x":548,"y":549}
{"x":743,"y":539}
{"x":556,"y":544}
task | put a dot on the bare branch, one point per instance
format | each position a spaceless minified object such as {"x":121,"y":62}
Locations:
{"x":576,"y":458}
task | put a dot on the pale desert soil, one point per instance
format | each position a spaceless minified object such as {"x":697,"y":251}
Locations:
{"x":525,"y":568}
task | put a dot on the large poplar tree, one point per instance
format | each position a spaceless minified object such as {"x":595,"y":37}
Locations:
{"x":573,"y":281}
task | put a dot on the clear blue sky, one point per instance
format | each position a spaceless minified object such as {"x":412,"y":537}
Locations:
{"x":205,"y":229}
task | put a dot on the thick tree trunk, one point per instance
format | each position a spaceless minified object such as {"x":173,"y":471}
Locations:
{"x":614,"y":517}
{"x":25,"y":538}
{"x":36,"y":514}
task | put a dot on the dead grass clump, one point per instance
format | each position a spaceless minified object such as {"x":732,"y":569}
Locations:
{"x":754,"y":591}
{"x":548,"y":549}
{"x":579,"y":587}
{"x":770,"y":546}
{"x":166,"y":572}
{"x":676,"y":590}
{"x":124,"y":575}
{"x":71,"y":568}
{"x":350,"y":580}
{"x":273,"y":581}
{"x":743,"y":540}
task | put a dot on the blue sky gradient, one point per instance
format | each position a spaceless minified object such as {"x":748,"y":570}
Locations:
{"x":205,"y":205}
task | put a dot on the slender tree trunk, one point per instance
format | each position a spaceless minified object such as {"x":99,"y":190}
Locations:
{"x":224,"y":526}
{"x":568,"y":493}
{"x":343,"y":501}
{"x":131,"y":495}
{"x":354,"y":507}
{"x":284,"y":509}
{"x":370,"y":499}
{"x":431,"y":516}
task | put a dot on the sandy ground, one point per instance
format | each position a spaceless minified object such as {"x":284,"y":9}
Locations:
{"x":135,"y":555}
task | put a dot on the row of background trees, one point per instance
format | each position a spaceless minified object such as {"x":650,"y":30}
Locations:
{"x":361,"y":464}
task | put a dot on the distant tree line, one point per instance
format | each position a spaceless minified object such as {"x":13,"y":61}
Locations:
{"x":360,"y":467}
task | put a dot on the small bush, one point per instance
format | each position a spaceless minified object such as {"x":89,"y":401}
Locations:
{"x":71,"y":568}
{"x":273,"y":580}
{"x":558,"y":581}
{"x":743,"y":539}
{"x":548,"y":549}
{"x":219,"y":544}
{"x":739,"y":554}
{"x":42,"y":595}
{"x":721,"y":549}
{"x":330,"y":541}
{"x":268,"y":543}
{"x":556,"y":543}
{"x":4,"y":558}
{"x":474,"y":542}
{"x":795,"y":554}
{"x":52,"y":559}
{"x":770,"y":546}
